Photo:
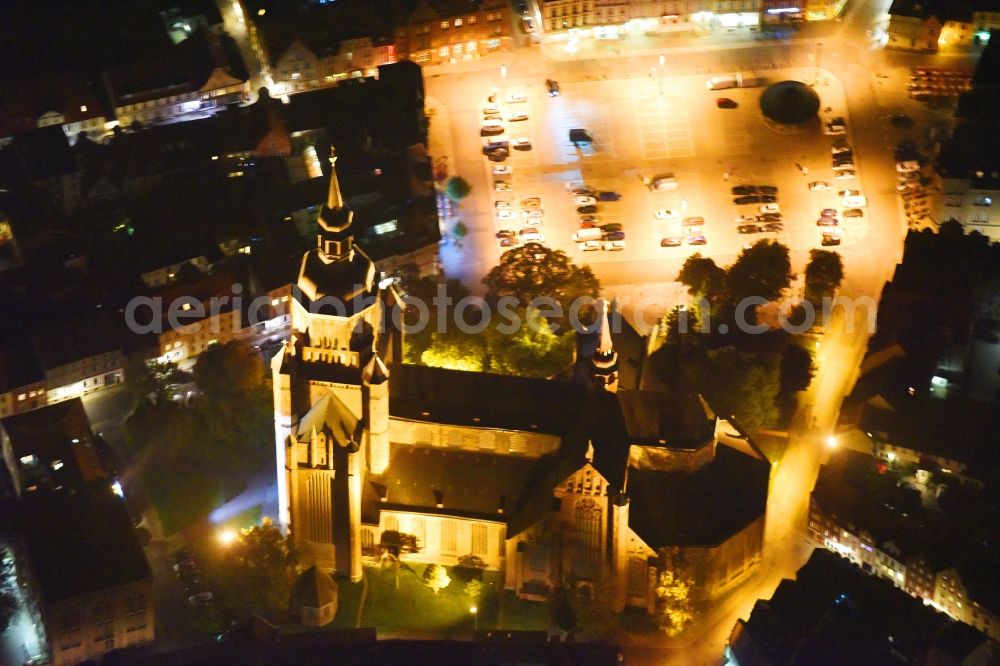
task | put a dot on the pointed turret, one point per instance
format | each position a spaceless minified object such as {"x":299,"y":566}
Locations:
{"x":605,"y":360}
{"x":334,"y":200}
{"x":375,"y":407}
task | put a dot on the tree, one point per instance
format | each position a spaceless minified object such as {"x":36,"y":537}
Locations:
{"x":533,"y":350}
{"x":763,"y":270}
{"x":824,"y":273}
{"x":8,"y":590}
{"x":260,"y":563}
{"x":534,"y":270}
{"x":473,"y":589}
{"x":436,"y":577}
{"x":230,"y":368}
{"x":743,"y":384}
{"x":797,"y":369}
{"x":703,"y":278}
{"x":146,"y":380}
{"x":458,"y":188}
{"x":460,"y":230}
{"x":674,"y":609}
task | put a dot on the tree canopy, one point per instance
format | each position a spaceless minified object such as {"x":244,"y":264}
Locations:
{"x":824,"y":273}
{"x":703,"y":278}
{"x":743,"y":384}
{"x":674,"y":608}
{"x":255,"y":572}
{"x":763,"y":270}
{"x":533,"y":271}
{"x":458,"y":188}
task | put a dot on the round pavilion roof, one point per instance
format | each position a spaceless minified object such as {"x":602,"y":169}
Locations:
{"x":789,"y":102}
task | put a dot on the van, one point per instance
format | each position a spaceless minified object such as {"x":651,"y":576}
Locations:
{"x":592,"y":233}
{"x":721,"y":82}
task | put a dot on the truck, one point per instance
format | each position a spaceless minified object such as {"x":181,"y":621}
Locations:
{"x":737,"y":80}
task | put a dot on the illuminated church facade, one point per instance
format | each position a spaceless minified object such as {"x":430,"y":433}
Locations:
{"x":551,"y":482}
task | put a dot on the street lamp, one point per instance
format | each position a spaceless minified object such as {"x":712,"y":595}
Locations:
{"x":227,"y":537}
{"x":831,"y":442}
{"x":475,"y":616}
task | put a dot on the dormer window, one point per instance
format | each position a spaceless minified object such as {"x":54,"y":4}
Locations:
{"x":57,"y":465}
{"x":29,"y":460}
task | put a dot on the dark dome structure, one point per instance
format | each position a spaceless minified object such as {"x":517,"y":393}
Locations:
{"x":789,"y":103}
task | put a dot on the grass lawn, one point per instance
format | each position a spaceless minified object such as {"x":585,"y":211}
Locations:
{"x":181,"y":499}
{"x":524,"y":615}
{"x":415,"y":607}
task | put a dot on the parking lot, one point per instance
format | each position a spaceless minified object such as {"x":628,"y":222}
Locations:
{"x":642,"y":127}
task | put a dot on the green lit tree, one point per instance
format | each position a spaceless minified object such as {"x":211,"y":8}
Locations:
{"x":674,"y":608}
{"x":744,"y":384}
{"x":436,"y":577}
{"x":259,"y":566}
{"x":458,"y":188}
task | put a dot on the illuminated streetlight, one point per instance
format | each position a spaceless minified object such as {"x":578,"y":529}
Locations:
{"x":227,"y":537}
{"x":475,"y":615}
{"x":831,"y":442}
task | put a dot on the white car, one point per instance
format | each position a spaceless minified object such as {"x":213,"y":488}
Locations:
{"x":490,"y":109}
{"x":585,"y":201}
{"x":531,"y":235}
{"x":589,"y":246}
{"x":839,"y":148}
{"x":531,"y":202}
{"x":855,"y":201}
{"x":516,"y":117}
{"x":770,"y":208}
{"x":501,"y":186}
{"x":532,"y":221}
{"x":665,"y":214}
{"x":745,"y":219}
{"x":491,"y":128}
{"x":846,"y":166}
{"x":663,"y":182}
{"x":533,"y":212}
{"x":506,"y":214}
{"x":614,"y":245}
{"x":515,"y":98}
{"x":819,"y":185}
{"x":501,"y":170}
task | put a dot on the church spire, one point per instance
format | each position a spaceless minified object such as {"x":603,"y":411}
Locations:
{"x":334,"y":200}
{"x":605,"y":359}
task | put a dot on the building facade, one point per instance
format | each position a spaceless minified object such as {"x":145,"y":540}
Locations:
{"x":567,"y":14}
{"x":302,"y":68}
{"x":523,"y":476}
{"x":439,"y":32}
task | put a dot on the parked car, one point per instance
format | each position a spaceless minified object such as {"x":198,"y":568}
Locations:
{"x":608,"y":196}
{"x":589,"y":245}
{"x":552,"y":87}
{"x":531,"y":234}
{"x":506,"y":233}
{"x":836,"y":127}
{"x":585,"y":201}
{"x":726,"y":103}
{"x":533,"y":213}
{"x":819,"y":185}
{"x":829,"y":239}
{"x":502,"y":170}
{"x":521,"y":144}
{"x":770,"y":208}
{"x":614,"y":245}
{"x":769,"y":217}
{"x":907,"y":166}
{"x":827,"y":222}
{"x":588,"y":219}
{"x":747,"y":199}
{"x":853,"y":212}
{"x":664,"y":214}
{"x":531,"y":202}
{"x":585,"y":191}
{"x":490,"y":108}
{"x":768,"y":198}
{"x":840,"y":149}
{"x":671,"y":241}
{"x":828,"y":212}
{"x":772,"y":226}
{"x":855,"y":201}
{"x":491,"y":128}
{"x":515,"y":98}
{"x":696,"y":240}
{"x":586,"y":210}
{"x":693,"y":221}
{"x":663,"y":182}
{"x":614,"y":235}
{"x":611,"y":227}
{"x":767,"y":189}
{"x":742,"y":190}
{"x":516,"y":117}
{"x":748,"y":229}
{"x":846,"y":174}
{"x":499,"y":205}
{"x":509,"y":242}
{"x":498,"y":155}
{"x":843,"y":166}
{"x":501,"y":186}
{"x":200,"y":598}
{"x":745,"y":219}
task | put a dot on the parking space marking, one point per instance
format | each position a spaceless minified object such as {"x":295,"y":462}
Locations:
{"x":664,"y":129}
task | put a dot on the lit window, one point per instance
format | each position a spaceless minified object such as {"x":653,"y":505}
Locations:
{"x":444,"y":52}
{"x":472,"y":20}
{"x":295,"y":76}
{"x":22,"y":396}
{"x":28,"y":460}
{"x":274,"y":302}
{"x":385,"y":227}
{"x":444,"y":25}
{"x":458,"y":23}
{"x":83,"y":108}
{"x":57,"y":465}
{"x":284,"y":299}
{"x":186,"y":306}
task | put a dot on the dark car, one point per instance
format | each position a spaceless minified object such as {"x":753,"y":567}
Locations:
{"x":586,"y":210}
{"x":496,"y":147}
{"x":613,"y":226}
{"x":585,"y":191}
{"x":841,"y":158}
{"x":854,"y":212}
{"x":614,"y":235}
{"x":768,"y":198}
{"x":726,"y":103}
{"x":498,"y":156}
{"x":552,"y":87}
{"x":742,"y":190}
{"x":748,"y":229}
{"x":827,"y":222}
{"x":830,"y":239}
{"x":748,"y":199}
{"x":769,"y":217}
{"x":672,"y":241}
{"x":772,"y":226}
{"x":767,"y":189}
{"x":506,"y":233}
{"x":509,"y":242}
{"x":609,"y":196}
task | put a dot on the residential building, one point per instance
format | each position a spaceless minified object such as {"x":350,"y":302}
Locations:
{"x":80,"y":357}
{"x":22,"y":380}
{"x":926,"y":25}
{"x":443,"y":31}
{"x":923,"y":534}
{"x":69,"y":101}
{"x":545,"y":481}
{"x":193,"y":81}
{"x":967,"y":166}
{"x":834,"y":613}
{"x":612,"y":18}
{"x":84,"y":578}
{"x":567,"y":14}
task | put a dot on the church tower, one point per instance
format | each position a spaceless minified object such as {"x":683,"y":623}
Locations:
{"x":604,"y":370}
{"x":325,"y":376}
